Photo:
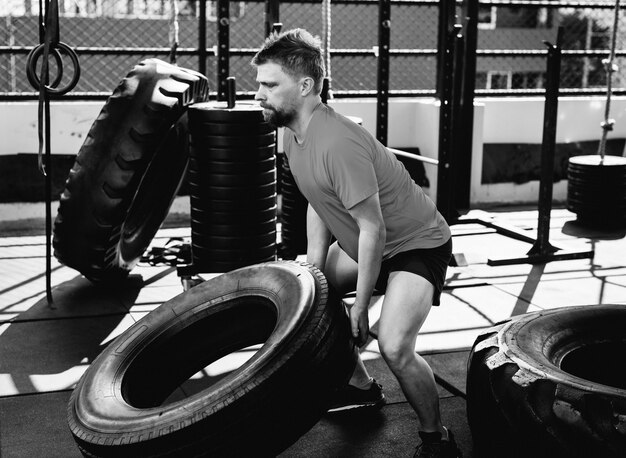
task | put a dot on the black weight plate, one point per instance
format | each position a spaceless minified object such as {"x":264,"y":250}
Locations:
{"x":258,"y":179}
{"x":613,"y":197}
{"x":232,"y":180}
{"x":594,"y":161}
{"x":242,"y":112}
{"x":294,"y":204}
{"x":292,"y":227}
{"x":227,"y":205}
{"x":221,"y":128}
{"x":291,"y":184}
{"x":232,"y":142}
{"x":224,"y":242}
{"x":599,"y":205}
{"x":294,"y":239}
{"x":197,"y":167}
{"x":239,"y":253}
{"x":237,"y":193}
{"x":222,"y":267}
{"x":232,"y":154}
{"x":202,"y":216}
{"x":291,"y":188}
{"x":599,"y":183}
{"x":294,"y":208}
{"x":606,"y":188}
{"x":609,"y":194}
{"x":597,"y":171}
{"x":237,"y":230}
{"x":203,"y":226}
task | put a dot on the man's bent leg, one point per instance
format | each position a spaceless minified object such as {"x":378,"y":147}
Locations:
{"x":341,"y":272}
{"x":406,"y":305}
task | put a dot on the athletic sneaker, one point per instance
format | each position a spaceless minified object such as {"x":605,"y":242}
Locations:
{"x":438,"y":449}
{"x":350,"y":397}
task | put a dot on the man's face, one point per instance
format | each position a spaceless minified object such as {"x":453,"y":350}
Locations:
{"x":278,"y":94}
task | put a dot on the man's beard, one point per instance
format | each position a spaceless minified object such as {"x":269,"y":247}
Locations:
{"x":276,"y":117}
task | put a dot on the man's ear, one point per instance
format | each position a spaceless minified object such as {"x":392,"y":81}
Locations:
{"x":307,"y":86}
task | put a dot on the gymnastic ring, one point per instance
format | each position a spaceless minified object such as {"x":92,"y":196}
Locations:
{"x":31,"y":66}
{"x":53,"y":88}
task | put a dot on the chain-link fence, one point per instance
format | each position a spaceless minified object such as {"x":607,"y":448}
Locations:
{"x":111,"y":36}
{"x":511,"y":49}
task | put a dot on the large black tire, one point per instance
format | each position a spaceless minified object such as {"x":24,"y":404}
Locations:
{"x":550,"y":384}
{"x":127,"y":172}
{"x":118,"y":409}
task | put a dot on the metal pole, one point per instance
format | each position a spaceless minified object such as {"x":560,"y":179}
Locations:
{"x":464,"y":126}
{"x":553,"y":73}
{"x":447,"y":123}
{"x":202,"y":54}
{"x":384,"y":35}
{"x":271,"y":15}
{"x":223,"y":47}
{"x":446,"y":23}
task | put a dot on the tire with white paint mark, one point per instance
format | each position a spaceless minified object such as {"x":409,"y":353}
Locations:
{"x":550,"y":384}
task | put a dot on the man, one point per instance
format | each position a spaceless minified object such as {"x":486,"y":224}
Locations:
{"x":389,"y":235}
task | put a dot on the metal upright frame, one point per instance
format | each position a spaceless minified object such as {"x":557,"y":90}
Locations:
{"x":541,"y":251}
{"x":382,"y":80}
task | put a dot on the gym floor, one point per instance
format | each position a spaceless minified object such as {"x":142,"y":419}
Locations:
{"x":44,"y":350}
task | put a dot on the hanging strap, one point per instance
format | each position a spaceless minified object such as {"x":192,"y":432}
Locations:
{"x":50,"y":45}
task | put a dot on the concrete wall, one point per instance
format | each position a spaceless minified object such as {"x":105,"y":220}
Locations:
{"x":413,"y":123}
{"x":508,"y":120}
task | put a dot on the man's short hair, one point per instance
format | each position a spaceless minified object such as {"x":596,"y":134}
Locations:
{"x":297,"y":51}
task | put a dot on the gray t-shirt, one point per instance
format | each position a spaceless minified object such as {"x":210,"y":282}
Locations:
{"x":339,"y":164}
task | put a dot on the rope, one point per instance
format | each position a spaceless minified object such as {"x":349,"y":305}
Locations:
{"x":173,"y":31}
{"x":610,"y":68}
{"x":327,"y":25}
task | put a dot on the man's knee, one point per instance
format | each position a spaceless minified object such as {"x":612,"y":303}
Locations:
{"x":397,"y":352}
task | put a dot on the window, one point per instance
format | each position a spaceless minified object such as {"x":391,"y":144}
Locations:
{"x":498,"y":80}
{"x":527,"y":80}
{"x":487,"y":17}
{"x":516,"y":17}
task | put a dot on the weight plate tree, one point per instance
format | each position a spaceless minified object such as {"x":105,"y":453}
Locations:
{"x":232,"y":183}
{"x":596,"y":190}
{"x":127,"y":171}
{"x":122,"y":406}
{"x":550,"y":384}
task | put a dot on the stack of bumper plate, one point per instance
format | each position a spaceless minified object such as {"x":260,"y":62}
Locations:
{"x":232,"y":183}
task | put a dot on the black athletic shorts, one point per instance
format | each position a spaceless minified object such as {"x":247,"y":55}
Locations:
{"x":430,"y":263}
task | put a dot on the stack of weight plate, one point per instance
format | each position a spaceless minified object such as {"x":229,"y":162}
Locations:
{"x":596,"y":190}
{"x":293,"y":214}
{"x":232,"y":184}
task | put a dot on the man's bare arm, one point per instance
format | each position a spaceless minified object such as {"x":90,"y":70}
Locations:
{"x":372,"y":236}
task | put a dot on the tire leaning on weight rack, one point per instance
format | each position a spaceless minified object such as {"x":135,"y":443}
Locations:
{"x":550,"y":384}
{"x":127,"y":172}
{"x":121,"y":407}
